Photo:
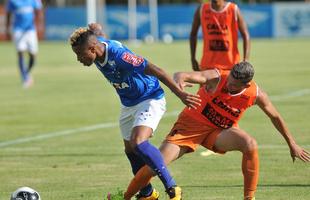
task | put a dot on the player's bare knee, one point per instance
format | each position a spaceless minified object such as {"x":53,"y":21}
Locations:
{"x":250,"y":144}
{"x":136,"y":140}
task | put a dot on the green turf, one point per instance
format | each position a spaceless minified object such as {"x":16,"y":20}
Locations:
{"x":89,"y":164}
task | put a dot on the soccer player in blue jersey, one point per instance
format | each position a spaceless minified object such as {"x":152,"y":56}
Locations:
{"x":25,"y":13}
{"x":136,"y":80}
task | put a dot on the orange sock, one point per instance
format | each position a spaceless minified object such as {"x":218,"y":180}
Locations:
{"x":141,"y":179}
{"x":250,"y":168}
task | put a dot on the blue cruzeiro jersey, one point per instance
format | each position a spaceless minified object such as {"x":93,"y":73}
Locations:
{"x":23,"y":12}
{"x":125,"y":71}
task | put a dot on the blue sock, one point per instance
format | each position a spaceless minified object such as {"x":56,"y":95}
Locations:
{"x":136,"y":163}
{"x":153,"y":158}
{"x":22,"y":69}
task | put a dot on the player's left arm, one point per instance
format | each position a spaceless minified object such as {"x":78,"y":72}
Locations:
{"x":245,"y":36}
{"x":190,"y":100}
{"x":187,"y":79}
{"x":266,"y":105}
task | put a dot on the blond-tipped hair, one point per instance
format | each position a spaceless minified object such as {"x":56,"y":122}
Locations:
{"x":76,"y":34}
{"x":79,"y":36}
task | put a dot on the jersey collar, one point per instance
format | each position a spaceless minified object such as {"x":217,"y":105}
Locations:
{"x":220,"y":11}
{"x":106,"y":54}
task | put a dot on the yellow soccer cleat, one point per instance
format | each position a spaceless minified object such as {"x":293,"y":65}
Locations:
{"x":175,"y":193}
{"x":153,"y":196}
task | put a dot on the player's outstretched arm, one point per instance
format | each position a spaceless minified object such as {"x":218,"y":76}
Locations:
{"x":186,"y":79}
{"x":190,"y":100}
{"x":265,"y":104}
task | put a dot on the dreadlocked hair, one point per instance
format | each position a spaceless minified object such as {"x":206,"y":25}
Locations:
{"x":243,"y":71}
{"x":80,"y":36}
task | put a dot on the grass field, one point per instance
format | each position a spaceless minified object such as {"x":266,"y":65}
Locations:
{"x":61,"y":136}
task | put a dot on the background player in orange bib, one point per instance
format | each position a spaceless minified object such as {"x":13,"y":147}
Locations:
{"x":220,"y":22}
{"x":225,"y":96}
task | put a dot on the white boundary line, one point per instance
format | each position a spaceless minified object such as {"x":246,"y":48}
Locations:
{"x":58,"y":134}
{"x":297,"y":93}
{"x":44,"y":136}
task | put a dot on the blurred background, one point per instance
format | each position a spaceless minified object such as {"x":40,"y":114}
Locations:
{"x":164,"y":19}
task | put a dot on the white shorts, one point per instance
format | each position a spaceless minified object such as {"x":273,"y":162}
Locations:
{"x":26,"y":41}
{"x":147,"y":113}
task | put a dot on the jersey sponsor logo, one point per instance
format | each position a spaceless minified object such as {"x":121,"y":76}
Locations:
{"x":227,"y":108}
{"x":120,"y":86}
{"x":216,"y":118}
{"x":217,"y":29}
{"x":218,"y":45}
{"x":132,"y":59}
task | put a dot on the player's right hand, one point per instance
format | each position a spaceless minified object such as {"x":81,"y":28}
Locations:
{"x":95,"y":27}
{"x":182,"y":85}
{"x":190,"y":100}
{"x":298,"y":152}
{"x":178,"y":79}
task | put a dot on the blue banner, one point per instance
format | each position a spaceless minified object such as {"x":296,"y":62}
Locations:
{"x":258,"y":19}
{"x":60,"y":22}
{"x":291,"y":20}
{"x":176,"y":20}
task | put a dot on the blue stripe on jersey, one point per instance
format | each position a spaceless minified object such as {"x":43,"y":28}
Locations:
{"x":23,"y":12}
{"x":125,"y":71}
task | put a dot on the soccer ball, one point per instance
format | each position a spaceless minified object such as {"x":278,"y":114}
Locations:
{"x":25,"y":193}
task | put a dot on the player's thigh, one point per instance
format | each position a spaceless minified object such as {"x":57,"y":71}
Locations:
{"x":126,"y":120}
{"x":20,"y":41}
{"x":234,"y":139}
{"x":32,"y":42}
{"x":149,"y":113}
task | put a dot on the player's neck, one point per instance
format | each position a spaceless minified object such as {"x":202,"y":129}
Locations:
{"x":101,"y":51}
{"x":218,"y":6}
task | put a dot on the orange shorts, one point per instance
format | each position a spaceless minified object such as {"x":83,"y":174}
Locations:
{"x":191,"y":133}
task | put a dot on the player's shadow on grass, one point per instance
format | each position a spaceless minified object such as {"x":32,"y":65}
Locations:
{"x":241,"y":186}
